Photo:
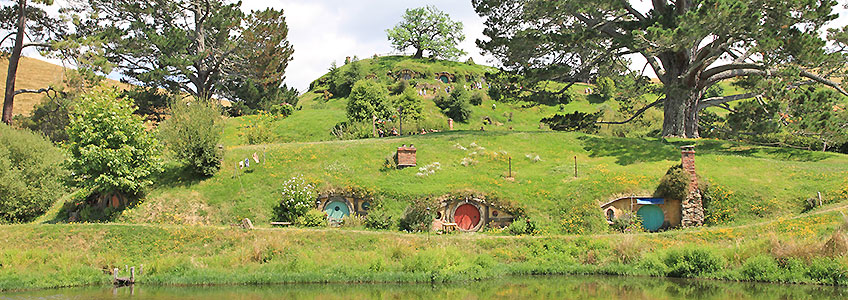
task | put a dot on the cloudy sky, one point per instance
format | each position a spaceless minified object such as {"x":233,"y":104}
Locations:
{"x":329,"y":30}
{"x":323,"y":31}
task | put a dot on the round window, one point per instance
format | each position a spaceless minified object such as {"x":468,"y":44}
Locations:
{"x":438,"y":215}
{"x":495,"y":213}
{"x":366,"y":205}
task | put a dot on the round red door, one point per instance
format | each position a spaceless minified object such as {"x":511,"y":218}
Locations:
{"x":466,"y":217}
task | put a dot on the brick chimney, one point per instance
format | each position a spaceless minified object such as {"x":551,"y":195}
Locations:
{"x":692,"y":208}
{"x":406,"y":156}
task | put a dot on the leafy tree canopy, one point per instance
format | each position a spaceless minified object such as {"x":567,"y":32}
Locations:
{"x":427,"y":29}
{"x":110,"y":149}
{"x":690,"y":45}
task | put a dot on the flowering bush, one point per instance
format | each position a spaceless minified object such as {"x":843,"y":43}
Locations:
{"x":298,"y":197}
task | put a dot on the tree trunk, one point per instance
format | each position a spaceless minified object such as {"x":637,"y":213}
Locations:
{"x":680,"y":112}
{"x":419,"y":53}
{"x":14,"y":58}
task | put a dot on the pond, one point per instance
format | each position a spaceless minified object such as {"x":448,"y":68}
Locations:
{"x":529,"y":287}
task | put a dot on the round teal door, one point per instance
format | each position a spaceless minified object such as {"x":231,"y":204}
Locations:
{"x":336,"y":210}
{"x":651,"y":216}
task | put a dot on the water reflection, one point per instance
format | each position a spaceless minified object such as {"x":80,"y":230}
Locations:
{"x":538,"y":287}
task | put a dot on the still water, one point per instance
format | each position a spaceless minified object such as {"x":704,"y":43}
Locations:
{"x":514,"y":288}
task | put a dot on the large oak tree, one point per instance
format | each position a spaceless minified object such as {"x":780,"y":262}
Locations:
{"x":427,"y":29}
{"x":690,"y":44}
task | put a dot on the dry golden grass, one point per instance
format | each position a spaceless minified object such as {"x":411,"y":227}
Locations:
{"x":35,"y":74}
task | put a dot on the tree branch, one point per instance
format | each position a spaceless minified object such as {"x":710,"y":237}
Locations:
{"x":633,"y":11}
{"x":38,"y":91}
{"x":636,"y":114}
{"x":715,"y":101}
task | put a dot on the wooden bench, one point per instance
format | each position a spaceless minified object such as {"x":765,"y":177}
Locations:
{"x":448,"y":227}
{"x":283,"y":224}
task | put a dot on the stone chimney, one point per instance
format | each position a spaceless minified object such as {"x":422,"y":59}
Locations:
{"x":406,"y":156}
{"x":692,"y":208}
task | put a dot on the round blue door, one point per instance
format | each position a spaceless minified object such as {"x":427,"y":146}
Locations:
{"x":336,"y":210}
{"x":651,"y":216}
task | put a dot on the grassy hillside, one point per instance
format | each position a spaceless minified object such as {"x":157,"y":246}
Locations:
{"x":35,"y":74}
{"x":765,"y":182}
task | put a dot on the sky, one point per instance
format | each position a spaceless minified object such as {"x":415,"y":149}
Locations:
{"x":330,"y":30}
{"x":324,"y":31}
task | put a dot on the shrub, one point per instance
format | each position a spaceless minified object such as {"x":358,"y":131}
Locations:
{"x":50,"y":117}
{"x":477,"y":98}
{"x":368,"y":98}
{"x":652,"y":265}
{"x":522,"y":226}
{"x":258,"y":129}
{"x":401,"y":87}
{"x":455,"y":105}
{"x":760,"y":268}
{"x":827,"y":271}
{"x":691,"y":262}
{"x":417,"y":216}
{"x":629,"y":222}
{"x":109,"y":147}
{"x":298,"y":199}
{"x":378,"y":219}
{"x":605,"y":88}
{"x":409,"y":105}
{"x":193,"y":133}
{"x":30,"y":174}
{"x":311,"y":218}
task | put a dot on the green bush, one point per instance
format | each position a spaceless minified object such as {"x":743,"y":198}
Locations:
{"x":378,"y":219}
{"x":31,"y":175}
{"x":760,"y":268}
{"x":522,"y":226}
{"x":455,"y":105}
{"x":477,"y":98}
{"x":605,"y":88}
{"x":652,"y":265}
{"x":258,"y":128}
{"x":368,"y":98}
{"x":629,"y":222}
{"x":312,"y":218}
{"x":827,"y":271}
{"x":109,"y":147}
{"x":409,"y":105}
{"x":193,"y":133}
{"x":298,"y":199}
{"x":417,"y":216}
{"x":692,"y":262}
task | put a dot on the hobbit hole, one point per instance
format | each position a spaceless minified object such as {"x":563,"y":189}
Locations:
{"x":664,"y":213}
{"x":470,"y":213}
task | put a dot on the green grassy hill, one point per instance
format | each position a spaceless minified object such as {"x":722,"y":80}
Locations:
{"x":179,"y":231}
{"x":764,"y":182}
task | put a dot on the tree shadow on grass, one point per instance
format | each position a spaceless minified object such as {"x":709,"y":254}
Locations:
{"x":629,"y":150}
{"x":632,"y":150}
{"x":722,"y":147}
{"x":177,"y":175}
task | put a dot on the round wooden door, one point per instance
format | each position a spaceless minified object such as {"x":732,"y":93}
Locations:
{"x":651,"y":216}
{"x":466,"y":217}
{"x":336,"y":210}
